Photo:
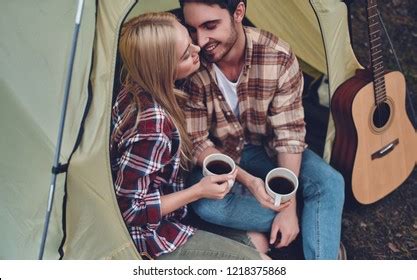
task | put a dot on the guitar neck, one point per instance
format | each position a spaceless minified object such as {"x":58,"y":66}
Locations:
{"x":374,"y":33}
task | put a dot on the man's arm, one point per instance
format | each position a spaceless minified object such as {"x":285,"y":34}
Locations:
{"x":290,"y":161}
{"x":286,"y":222}
{"x":197,"y":119}
{"x":288,"y":117}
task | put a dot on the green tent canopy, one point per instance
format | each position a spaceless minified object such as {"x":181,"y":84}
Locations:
{"x":35,"y":46}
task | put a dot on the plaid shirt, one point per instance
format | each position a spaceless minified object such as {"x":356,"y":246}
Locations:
{"x":269,"y":94}
{"x":145,"y":164}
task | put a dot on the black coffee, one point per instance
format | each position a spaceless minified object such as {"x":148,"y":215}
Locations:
{"x":281,"y":185}
{"x":219,"y":167}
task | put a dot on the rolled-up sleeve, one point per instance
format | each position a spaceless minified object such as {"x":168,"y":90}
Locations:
{"x":286,"y":113}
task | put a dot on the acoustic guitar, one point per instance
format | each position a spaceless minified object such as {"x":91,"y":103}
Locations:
{"x":375,"y":146}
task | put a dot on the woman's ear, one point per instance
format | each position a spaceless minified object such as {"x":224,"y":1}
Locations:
{"x":239,"y":13}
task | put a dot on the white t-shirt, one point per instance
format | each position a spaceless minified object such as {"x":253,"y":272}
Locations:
{"x":228,"y":89}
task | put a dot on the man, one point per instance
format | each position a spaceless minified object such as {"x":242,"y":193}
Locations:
{"x":245,"y":101}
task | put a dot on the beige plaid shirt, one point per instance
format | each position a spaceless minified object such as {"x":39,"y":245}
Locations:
{"x":269,"y":94}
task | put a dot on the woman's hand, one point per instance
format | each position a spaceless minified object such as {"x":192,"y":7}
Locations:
{"x":215,"y":186}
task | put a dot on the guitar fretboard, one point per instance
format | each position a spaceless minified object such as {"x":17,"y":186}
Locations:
{"x":374,"y":33}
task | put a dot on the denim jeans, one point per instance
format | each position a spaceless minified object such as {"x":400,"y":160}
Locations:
{"x":321,"y":191}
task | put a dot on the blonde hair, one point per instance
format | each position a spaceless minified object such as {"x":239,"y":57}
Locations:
{"x":148,"y":49}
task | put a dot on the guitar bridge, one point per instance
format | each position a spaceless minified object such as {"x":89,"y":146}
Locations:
{"x":385,"y":150}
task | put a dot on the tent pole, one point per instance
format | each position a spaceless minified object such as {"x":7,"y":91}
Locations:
{"x":56,"y":165}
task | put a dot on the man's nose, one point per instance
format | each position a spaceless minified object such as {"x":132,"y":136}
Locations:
{"x":196,"y":48}
{"x":202,"y":39}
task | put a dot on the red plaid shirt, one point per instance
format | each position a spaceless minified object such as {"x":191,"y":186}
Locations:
{"x":269,"y":97}
{"x":145,"y":164}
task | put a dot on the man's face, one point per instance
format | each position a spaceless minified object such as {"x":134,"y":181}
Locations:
{"x":212,"y":28}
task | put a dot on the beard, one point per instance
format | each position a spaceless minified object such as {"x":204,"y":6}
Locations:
{"x":222,"y":48}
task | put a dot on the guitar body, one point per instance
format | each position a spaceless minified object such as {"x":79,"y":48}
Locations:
{"x":375,"y":148}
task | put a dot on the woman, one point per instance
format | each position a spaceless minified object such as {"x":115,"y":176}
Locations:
{"x":150,"y":146}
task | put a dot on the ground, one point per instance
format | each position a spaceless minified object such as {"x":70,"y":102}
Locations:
{"x":386,"y":229}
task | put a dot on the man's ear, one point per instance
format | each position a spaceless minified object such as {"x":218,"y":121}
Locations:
{"x":239,"y":13}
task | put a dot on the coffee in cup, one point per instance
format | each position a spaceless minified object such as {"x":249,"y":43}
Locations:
{"x":218,"y":164}
{"x":219,"y":167}
{"x":281,"y":184}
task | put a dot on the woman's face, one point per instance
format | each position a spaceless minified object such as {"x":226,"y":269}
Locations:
{"x":187,"y":52}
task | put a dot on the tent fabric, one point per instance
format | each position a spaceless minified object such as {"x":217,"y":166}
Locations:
{"x":36,"y":38}
{"x":36,"y":41}
{"x":93,"y":213}
{"x":340,"y":58}
{"x":302,"y":32}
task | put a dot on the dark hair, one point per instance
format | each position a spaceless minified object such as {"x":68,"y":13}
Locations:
{"x":230,"y":5}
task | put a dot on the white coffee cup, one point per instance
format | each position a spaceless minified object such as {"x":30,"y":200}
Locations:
{"x":217,"y":164}
{"x":281,"y":190}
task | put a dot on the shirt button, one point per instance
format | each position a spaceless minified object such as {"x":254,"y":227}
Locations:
{"x":228,"y":113}
{"x":220,"y":97}
{"x":235,"y":125}
{"x":240,"y":138}
{"x":237,"y":148}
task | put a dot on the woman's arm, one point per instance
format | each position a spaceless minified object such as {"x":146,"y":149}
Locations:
{"x":137,"y":194}
{"x":144,"y":155}
{"x":213,"y":187}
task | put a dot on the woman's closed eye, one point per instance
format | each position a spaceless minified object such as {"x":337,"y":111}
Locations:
{"x":186,"y":55}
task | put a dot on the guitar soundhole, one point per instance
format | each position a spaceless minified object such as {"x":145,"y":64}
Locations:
{"x":381,"y":115}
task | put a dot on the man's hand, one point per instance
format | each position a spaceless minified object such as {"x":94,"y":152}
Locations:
{"x":285,"y":224}
{"x":257,"y":188}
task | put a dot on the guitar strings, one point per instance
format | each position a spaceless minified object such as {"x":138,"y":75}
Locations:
{"x":408,"y":92}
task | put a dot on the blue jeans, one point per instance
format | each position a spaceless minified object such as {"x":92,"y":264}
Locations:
{"x":321,"y":190}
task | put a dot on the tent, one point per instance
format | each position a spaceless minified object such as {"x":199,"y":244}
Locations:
{"x":35,"y":46}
